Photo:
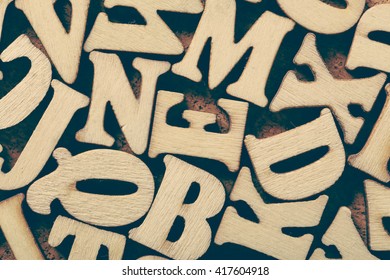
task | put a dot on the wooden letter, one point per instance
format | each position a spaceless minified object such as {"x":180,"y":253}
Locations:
{"x":45,"y":137}
{"x":267,"y":236}
{"x":16,"y":230}
{"x":154,"y":37}
{"x":378,"y":198}
{"x":111,"y":85}
{"x":374,"y":156}
{"x":88,"y":240}
{"x":217,"y":23}
{"x":321,"y":17}
{"x":365,"y":52}
{"x":195,"y":141}
{"x":310,"y":179}
{"x":327,"y":91}
{"x":100,"y":210}
{"x":26,"y":96}
{"x":3,"y":7}
{"x":63,"y":48}
{"x":342,"y":233}
{"x":168,"y":205}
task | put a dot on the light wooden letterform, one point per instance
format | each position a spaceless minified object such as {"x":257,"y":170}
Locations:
{"x":16,"y":230}
{"x":374,"y":157}
{"x":154,"y":37}
{"x":378,"y":199}
{"x":100,"y":210}
{"x":88,"y":240}
{"x":342,"y":233}
{"x":63,"y":48}
{"x":267,"y":236}
{"x":366,"y":52}
{"x":25,"y":96}
{"x":326,"y":91}
{"x":321,"y":17}
{"x":111,"y":85}
{"x":195,"y":141}
{"x":42,"y":142}
{"x":168,"y":205}
{"x":310,"y":179}
{"x":218,"y":23}
{"x":3,"y":8}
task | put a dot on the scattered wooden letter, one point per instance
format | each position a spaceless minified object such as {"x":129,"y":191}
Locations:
{"x":327,"y":91}
{"x":168,"y":205}
{"x":218,"y":23}
{"x":195,"y":141}
{"x":154,"y":37}
{"x":50,"y":128}
{"x":378,"y":197}
{"x":267,"y":236}
{"x":374,"y":157}
{"x":63,"y":48}
{"x":320,"y":17}
{"x":152,"y":258}
{"x":366,"y":52}
{"x":16,"y":230}
{"x":112,"y":85}
{"x":3,"y":7}
{"x":310,"y":179}
{"x":100,"y":210}
{"x":343,"y":234}
{"x":88,"y":240}
{"x":25,"y":96}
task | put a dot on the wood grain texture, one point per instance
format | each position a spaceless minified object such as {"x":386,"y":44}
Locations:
{"x":152,"y":258}
{"x":88,"y":239}
{"x":100,"y":210}
{"x":50,"y":128}
{"x":26,"y":95}
{"x":378,"y":197}
{"x":112,"y":85}
{"x":3,"y":8}
{"x":266,"y":235}
{"x":64,"y":48}
{"x":374,"y":157}
{"x":16,"y":230}
{"x":170,"y":203}
{"x":366,"y":52}
{"x":305,"y":181}
{"x":224,"y":147}
{"x":154,"y":37}
{"x":326,"y":91}
{"x":218,"y":23}
{"x":322,"y":17}
{"x":343,"y":234}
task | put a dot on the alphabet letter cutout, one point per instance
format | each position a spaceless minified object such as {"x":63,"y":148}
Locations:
{"x":343,"y":234}
{"x":45,"y":137}
{"x":111,"y":85}
{"x":16,"y":230}
{"x":25,"y":96}
{"x":100,"y":210}
{"x":310,"y":179}
{"x":267,"y":236}
{"x":378,"y":197}
{"x":63,"y":48}
{"x":217,"y":23}
{"x":374,"y":156}
{"x":168,"y":204}
{"x":195,"y":141}
{"x":327,"y":91}
{"x":365,"y":52}
{"x":3,"y":7}
{"x":320,"y":17}
{"x":154,"y":37}
{"x":88,"y":240}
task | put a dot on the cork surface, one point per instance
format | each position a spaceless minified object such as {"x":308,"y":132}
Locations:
{"x":347,"y":191}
